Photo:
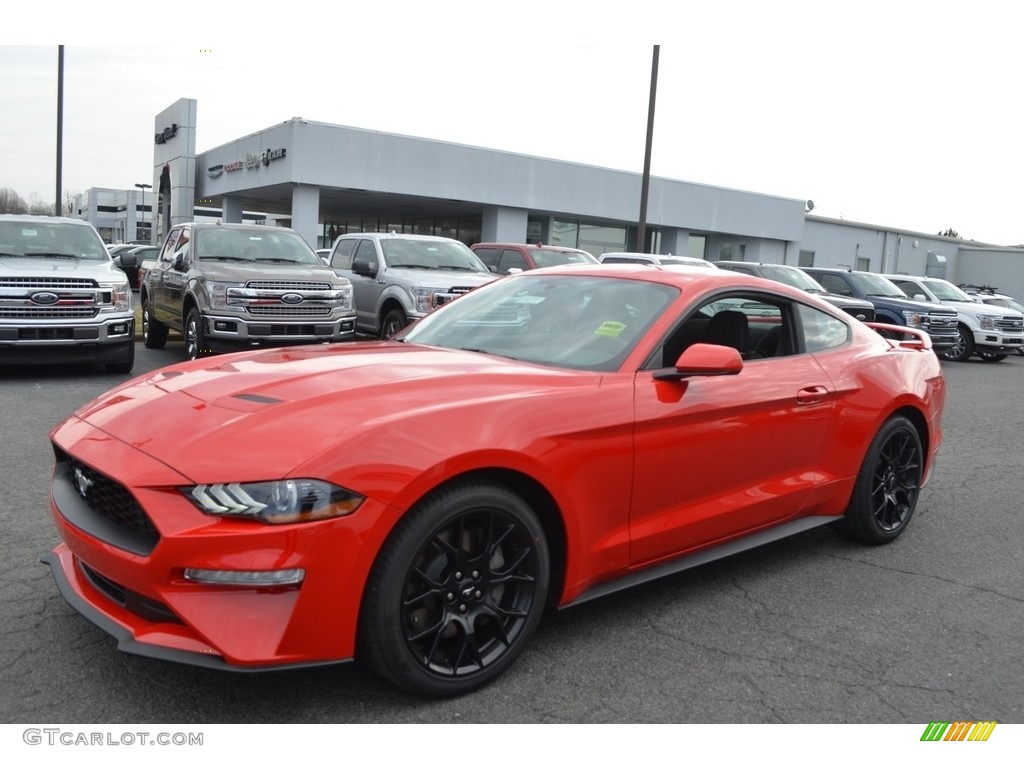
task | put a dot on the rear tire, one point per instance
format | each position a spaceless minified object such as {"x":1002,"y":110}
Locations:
{"x":887,"y":486}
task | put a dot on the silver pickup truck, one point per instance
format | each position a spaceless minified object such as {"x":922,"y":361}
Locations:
{"x":62,"y":299}
{"x":232,"y":286}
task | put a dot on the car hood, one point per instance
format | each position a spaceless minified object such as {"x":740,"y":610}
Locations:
{"x":85,"y":268}
{"x":238,"y":272}
{"x":439,"y":278}
{"x":911,"y":305}
{"x":217,"y":418}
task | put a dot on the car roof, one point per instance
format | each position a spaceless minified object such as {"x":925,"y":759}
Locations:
{"x":395,"y":235}
{"x":536,"y":246}
{"x":40,"y":219}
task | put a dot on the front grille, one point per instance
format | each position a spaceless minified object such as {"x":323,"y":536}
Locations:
{"x":101,"y":506}
{"x":460,"y":289}
{"x":282,"y":285}
{"x":289,"y":310}
{"x":53,"y":283}
{"x":47,"y":313}
{"x":1010,"y":324}
{"x":941,"y":322}
{"x":864,"y":314}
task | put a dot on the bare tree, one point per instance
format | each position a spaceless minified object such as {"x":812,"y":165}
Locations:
{"x":38,"y":206}
{"x":11,"y":201}
{"x":70,"y":203}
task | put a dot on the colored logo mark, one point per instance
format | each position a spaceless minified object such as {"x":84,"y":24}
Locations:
{"x":959,"y":731}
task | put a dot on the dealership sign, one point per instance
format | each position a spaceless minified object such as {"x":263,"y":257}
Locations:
{"x":162,"y":137}
{"x":253,"y":162}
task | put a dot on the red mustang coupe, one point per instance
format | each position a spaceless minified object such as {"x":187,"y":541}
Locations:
{"x":547,"y":438}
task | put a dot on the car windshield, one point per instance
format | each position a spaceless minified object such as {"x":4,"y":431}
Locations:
{"x":585,"y":322}
{"x":51,"y":239}
{"x":793,"y":277}
{"x":264,"y":244}
{"x":875,"y":285}
{"x":553,"y":258}
{"x":402,"y":253}
{"x":948,"y":292}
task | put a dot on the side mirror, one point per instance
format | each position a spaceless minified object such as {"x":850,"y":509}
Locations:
{"x":703,"y":360}
{"x":179,"y":262}
{"x":920,"y":297}
{"x":364,"y":267}
{"x":129,"y":260}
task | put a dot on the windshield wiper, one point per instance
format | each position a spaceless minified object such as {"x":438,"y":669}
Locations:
{"x":455,"y":268}
{"x":223,"y":258}
{"x":410,"y":266}
{"x":52,"y":255}
{"x":284,"y":261}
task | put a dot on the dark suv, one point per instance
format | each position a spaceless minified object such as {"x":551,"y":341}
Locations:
{"x":781,"y":273}
{"x":891,"y":304}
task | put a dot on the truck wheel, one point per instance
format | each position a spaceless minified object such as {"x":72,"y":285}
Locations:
{"x":964,"y":347}
{"x":991,"y":357}
{"x":126,"y":363}
{"x":195,"y":339}
{"x":154,"y":333}
{"x":394,"y":321}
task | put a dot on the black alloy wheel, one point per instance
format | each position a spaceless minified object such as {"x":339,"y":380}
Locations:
{"x":888,"y":485}
{"x":195,"y":339}
{"x":456,"y":591}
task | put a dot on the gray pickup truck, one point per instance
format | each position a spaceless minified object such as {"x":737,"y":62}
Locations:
{"x":62,"y":299}
{"x":231,"y":286}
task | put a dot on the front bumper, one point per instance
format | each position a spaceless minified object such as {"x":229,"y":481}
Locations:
{"x":99,"y":342}
{"x":133,"y":586}
{"x":237,"y":331}
{"x":993,"y":341}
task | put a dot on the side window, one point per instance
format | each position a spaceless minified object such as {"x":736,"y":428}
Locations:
{"x":910,"y":288}
{"x":834,"y":284}
{"x":167,"y":254}
{"x":342,"y":256}
{"x":489,"y":256}
{"x":183,"y":243}
{"x":757,"y":326}
{"x":821,"y":331}
{"x":511,"y":260}
{"x":366,"y":251}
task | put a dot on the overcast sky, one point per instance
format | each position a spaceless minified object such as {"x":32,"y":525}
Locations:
{"x":901,"y":114}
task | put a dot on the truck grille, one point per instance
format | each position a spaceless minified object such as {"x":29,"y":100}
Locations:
{"x":45,"y":313}
{"x":286,"y":310}
{"x":864,"y":314}
{"x":1010,"y":324}
{"x":282,"y":285}
{"x":51,"y":283}
{"x":941,"y":322}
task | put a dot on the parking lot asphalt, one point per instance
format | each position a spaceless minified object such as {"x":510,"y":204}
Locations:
{"x":812,"y":629}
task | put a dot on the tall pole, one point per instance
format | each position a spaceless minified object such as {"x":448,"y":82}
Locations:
{"x":58,"y":209}
{"x":144,"y":187}
{"x":641,"y":229}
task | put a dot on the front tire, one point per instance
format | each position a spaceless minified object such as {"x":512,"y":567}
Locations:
{"x":992,"y":357}
{"x":195,"y":338}
{"x":887,"y":485}
{"x":456,"y":591}
{"x":154,"y":333}
{"x":964,"y":347}
{"x":394,"y":321}
{"x":126,"y":363}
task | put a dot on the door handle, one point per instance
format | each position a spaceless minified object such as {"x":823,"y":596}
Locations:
{"x":811,"y":395}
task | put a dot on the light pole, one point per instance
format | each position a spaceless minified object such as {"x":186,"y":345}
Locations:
{"x":144,"y":187}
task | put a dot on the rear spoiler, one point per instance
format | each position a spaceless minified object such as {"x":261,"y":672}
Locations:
{"x":903,"y":337}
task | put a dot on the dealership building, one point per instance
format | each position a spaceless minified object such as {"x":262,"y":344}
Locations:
{"x":324,"y":180}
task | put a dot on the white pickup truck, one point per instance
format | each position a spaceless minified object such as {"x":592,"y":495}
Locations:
{"x":62,"y":299}
{"x":989,"y":332}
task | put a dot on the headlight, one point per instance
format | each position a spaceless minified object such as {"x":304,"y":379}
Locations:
{"x":117,"y":297}
{"x":914,"y":319}
{"x":988,"y":322}
{"x":217,"y":293}
{"x":276,"y":501}
{"x":344,"y":297}
{"x":421,"y":299}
